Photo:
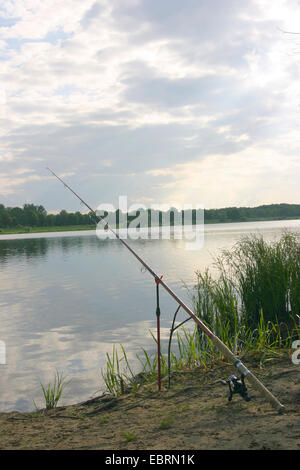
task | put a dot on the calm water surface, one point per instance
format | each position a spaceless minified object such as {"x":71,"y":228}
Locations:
{"x":67,"y":298}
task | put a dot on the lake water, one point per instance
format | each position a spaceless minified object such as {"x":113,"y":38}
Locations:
{"x":67,"y":298}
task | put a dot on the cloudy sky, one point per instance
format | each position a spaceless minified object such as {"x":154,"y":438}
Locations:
{"x":165,"y":101}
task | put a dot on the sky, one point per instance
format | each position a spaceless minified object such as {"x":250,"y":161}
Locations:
{"x":166,"y":102}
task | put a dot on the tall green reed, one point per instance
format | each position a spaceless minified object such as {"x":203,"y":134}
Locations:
{"x":52,"y":392}
{"x":191,"y":351}
{"x":116,"y":378}
{"x":254,"y":275}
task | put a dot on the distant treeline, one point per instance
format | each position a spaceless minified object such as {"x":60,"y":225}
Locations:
{"x":31,"y":215}
{"x":36,"y":216}
{"x":244,"y":214}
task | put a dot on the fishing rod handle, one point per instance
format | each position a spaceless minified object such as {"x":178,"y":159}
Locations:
{"x":249,"y":375}
{"x":226,"y":351}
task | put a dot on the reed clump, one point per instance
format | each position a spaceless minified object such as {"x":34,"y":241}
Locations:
{"x":52,"y":392}
{"x":254,"y":278}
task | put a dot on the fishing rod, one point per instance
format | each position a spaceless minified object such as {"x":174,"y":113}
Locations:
{"x":245,"y":373}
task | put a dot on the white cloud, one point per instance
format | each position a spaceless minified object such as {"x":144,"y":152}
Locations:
{"x":254,"y":174}
{"x":114,"y":88}
{"x":8,"y":183}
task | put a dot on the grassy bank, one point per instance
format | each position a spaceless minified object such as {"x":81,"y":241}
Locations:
{"x":67,"y":228}
{"x":249,"y":219}
{"x":268,"y":342}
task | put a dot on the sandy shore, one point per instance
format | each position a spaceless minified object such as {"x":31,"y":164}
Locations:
{"x":194,"y":414}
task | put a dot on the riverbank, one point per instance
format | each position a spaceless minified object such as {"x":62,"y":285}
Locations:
{"x":193,"y":414}
{"x":20,"y":230}
{"x":75,"y":228}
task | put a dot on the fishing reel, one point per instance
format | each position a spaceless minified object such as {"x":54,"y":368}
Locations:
{"x":236,"y":385}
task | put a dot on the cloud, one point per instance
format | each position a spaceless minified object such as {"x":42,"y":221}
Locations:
{"x":114,"y":92}
{"x":10,"y":182}
{"x":92,"y":13}
{"x":233,"y":174}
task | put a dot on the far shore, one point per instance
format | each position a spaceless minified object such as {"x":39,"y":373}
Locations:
{"x":76,"y":228}
{"x":68,"y":228}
